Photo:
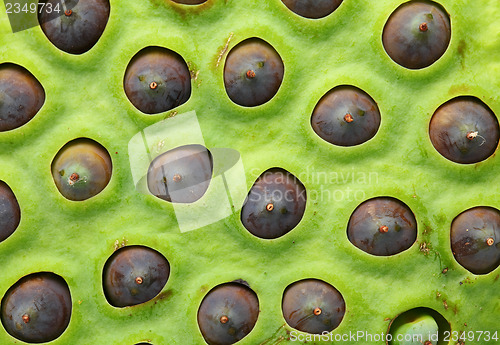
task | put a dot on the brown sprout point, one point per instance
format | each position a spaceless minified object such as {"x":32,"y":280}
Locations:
{"x":471,"y":135}
{"x":250,"y":74}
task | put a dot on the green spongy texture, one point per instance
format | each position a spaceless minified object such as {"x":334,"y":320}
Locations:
{"x":85,"y":98}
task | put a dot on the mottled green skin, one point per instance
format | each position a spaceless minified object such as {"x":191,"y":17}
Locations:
{"x":420,"y":326}
{"x":85,"y":98}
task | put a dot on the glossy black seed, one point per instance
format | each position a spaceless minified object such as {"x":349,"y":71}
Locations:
{"x":275,"y":204}
{"x":134,"y":275}
{"x":382,"y":226}
{"x":253,"y":73}
{"x":77,"y":29}
{"x":190,"y":2}
{"x":37,"y":309}
{"x":346,"y":116}
{"x":464,"y":130}
{"x":417,"y":34}
{"x":10,"y":213}
{"x":313,"y":306}
{"x":313,"y":9}
{"x":81,"y":169}
{"x":21,"y":96}
{"x":475,"y":239}
{"x":157,"y":80}
{"x":228,"y":313}
{"x":181,"y":175}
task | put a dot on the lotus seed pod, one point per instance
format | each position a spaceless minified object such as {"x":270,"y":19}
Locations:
{"x":181,"y":175}
{"x":346,"y":116}
{"x":253,"y":73}
{"x":190,"y":2}
{"x":313,"y":306}
{"x":382,"y":226}
{"x":134,"y":275}
{"x":417,"y":34}
{"x":342,"y":147}
{"x":80,"y":26}
{"x":313,"y":9}
{"x":10,"y":213}
{"x":275,"y":204}
{"x":81,"y":169}
{"x":156,"y":80}
{"x":475,"y":239}
{"x":464,"y":130}
{"x":37,"y":309}
{"x":21,"y":96}
{"x":228,"y":313}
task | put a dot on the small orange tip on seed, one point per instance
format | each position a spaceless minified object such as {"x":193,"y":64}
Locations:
{"x":348,"y":118}
{"x":317,"y":311}
{"x":269,"y":207}
{"x":471,"y":135}
{"x":139,"y":280}
{"x":26,"y":318}
{"x":177,"y":178}
{"x":427,"y":343}
{"x":383,"y":229}
{"x":74,"y":177}
{"x":423,"y":27}
{"x":224,"y":319}
{"x":250,"y":74}
{"x":153,"y":85}
{"x":490,"y":241}
{"x":68,"y":13}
